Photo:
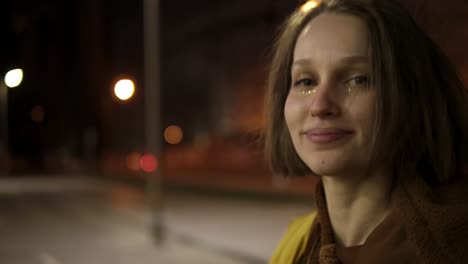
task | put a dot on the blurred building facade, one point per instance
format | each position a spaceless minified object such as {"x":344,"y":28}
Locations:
{"x":214,"y":59}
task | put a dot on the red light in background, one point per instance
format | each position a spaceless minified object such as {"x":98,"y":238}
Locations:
{"x":148,"y":163}
{"x":133,"y":161}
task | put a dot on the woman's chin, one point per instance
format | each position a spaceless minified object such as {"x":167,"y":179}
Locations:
{"x":326,"y":169}
{"x":330,"y":167}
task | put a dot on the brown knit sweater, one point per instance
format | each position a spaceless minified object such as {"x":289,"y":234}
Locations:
{"x":435,"y":220}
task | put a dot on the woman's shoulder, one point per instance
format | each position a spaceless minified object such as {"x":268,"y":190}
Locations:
{"x":302,"y":222}
{"x":294,"y":241}
{"x":436,"y":218}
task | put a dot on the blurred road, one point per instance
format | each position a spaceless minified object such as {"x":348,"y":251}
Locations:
{"x":84,"y":220}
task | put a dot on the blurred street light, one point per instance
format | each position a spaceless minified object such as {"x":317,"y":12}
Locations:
{"x":124,"y":89}
{"x":173,"y":134}
{"x":133,"y":161}
{"x":14,"y":78}
{"x":148,"y":163}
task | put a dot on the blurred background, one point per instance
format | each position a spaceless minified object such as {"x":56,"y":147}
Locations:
{"x":154,"y":108}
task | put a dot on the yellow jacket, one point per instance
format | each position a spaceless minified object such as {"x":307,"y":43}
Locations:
{"x":294,"y":241}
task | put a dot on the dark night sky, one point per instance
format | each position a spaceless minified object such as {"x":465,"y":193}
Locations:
{"x":72,"y":50}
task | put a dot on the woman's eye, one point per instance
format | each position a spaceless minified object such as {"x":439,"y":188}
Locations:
{"x":360,"y":81}
{"x":305,"y":86}
{"x":304,"y":82}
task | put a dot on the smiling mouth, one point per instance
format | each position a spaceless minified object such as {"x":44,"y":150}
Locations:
{"x":327,"y":135}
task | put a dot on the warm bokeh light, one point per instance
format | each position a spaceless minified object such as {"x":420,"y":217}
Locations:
{"x":148,"y":163}
{"x":124,"y":89}
{"x":37,"y":114}
{"x":173,"y":134}
{"x":309,"y":5}
{"x":14,"y":78}
{"x":133,"y":161}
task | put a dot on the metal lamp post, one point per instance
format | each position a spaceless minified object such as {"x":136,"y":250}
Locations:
{"x":4,"y":126}
{"x":152,"y":111}
{"x":12,"y":79}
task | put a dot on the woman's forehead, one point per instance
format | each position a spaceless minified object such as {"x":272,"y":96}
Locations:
{"x":332,"y":36}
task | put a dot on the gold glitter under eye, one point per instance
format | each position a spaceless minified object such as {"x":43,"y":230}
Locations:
{"x":308,"y":91}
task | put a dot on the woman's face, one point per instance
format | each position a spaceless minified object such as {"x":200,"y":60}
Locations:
{"x":329,"y":110}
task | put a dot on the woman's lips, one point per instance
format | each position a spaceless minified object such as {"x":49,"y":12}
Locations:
{"x":326,"y":135}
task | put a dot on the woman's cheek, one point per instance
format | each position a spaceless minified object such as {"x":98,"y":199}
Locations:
{"x":293,"y":111}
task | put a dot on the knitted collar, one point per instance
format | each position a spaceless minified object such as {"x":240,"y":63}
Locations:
{"x":436,"y":220}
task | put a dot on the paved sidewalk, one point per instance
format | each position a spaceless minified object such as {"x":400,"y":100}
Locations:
{"x":244,"y":228}
{"x":82,"y":220}
{"x":172,"y":252}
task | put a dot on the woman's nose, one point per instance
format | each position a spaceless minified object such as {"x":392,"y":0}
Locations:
{"x":323,"y":103}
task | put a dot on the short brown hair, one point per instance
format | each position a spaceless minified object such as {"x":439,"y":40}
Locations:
{"x":421,"y":114}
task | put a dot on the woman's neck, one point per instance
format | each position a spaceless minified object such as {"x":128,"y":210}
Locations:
{"x":356,"y":205}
